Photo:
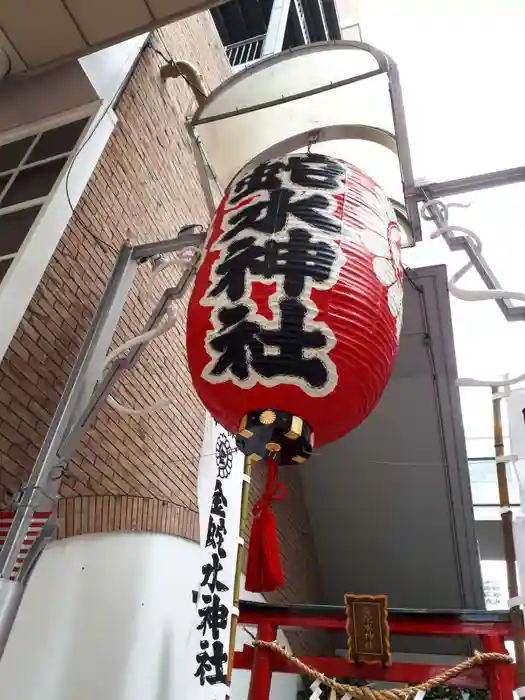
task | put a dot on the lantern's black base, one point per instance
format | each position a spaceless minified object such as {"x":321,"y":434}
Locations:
{"x":279,"y":434}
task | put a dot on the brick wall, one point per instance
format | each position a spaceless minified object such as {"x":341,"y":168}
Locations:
{"x":131,"y":472}
{"x":298,"y":557}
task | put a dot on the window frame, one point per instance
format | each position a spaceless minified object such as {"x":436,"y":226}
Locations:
{"x":485,"y":511}
{"x":30,"y":262}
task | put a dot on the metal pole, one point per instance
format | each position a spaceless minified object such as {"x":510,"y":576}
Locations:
{"x":516,"y":616}
{"x":464,"y":185}
{"x":245,"y":501}
{"x":105,"y":320}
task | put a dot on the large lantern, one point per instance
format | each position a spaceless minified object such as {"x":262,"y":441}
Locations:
{"x":295,"y":315}
{"x":296,"y":312}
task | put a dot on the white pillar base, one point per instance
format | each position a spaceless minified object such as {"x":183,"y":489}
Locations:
{"x":104,"y":616}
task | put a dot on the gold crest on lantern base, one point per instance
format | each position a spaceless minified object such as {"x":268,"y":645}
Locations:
{"x":279,"y":434}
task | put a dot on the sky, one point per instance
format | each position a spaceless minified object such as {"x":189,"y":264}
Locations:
{"x":461,"y":66}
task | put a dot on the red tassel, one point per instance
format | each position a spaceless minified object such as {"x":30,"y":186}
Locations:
{"x":264,"y":572}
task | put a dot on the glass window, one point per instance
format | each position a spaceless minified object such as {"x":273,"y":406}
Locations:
{"x":4,"y":266}
{"x":29,"y":169}
{"x":57,"y":141}
{"x":484,"y":483}
{"x":11,"y":154}
{"x":33,"y":183}
{"x":13,"y":229}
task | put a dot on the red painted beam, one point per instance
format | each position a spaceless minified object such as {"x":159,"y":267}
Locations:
{"x":436,"y":627}
{"x":433,"y":626}
{"x":501,"y":678}
{"x":336,"y":667}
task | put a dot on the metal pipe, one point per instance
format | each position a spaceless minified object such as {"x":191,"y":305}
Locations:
{"x":203,"y":170}
{"x":245,"y":502}
{"x":464,"y":185}
{"x":77,"y":403}
{"x":104,"y":324}
{"x":516,"y":616}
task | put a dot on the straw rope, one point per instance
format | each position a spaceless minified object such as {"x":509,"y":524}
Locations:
{"x":366,"y":693}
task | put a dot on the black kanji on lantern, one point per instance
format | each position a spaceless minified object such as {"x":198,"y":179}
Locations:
{"x":281,"y":228}
{"x":271,"y":215}
{"x":300,"y":258}
{"x":214,"y":615}
{"x":237,"y":342}
{"x":211,"y":662}
{"x":244,"y":345}
{"x":311,"y":170}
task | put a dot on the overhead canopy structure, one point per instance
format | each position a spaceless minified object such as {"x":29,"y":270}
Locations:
{"x":37,"y":33}
{"x":390,"y":503}
{"x":341,"y":98}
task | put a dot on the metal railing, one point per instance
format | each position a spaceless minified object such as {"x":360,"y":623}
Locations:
{"x":245,"y":51}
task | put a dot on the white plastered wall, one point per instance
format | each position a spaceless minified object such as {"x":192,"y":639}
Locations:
{"x":109,"y":617}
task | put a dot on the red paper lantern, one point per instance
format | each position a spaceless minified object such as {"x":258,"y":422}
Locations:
{"x":294,"y":319}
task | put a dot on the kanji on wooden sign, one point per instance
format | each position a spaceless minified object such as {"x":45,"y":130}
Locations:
{"x":367,"y":629}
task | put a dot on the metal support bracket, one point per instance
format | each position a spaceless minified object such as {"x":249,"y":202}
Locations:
{"x":87,"y":387}
{"x":438,"y":190}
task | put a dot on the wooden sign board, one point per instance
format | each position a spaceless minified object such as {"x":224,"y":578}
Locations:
{"x":367,"y":629}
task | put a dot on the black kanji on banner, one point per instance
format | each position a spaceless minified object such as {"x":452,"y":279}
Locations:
{"x":211,"y":571}
{"x":216,"y":534}
{"x":218,"y":501}
{"x":213,"y":661}
{"x":213,"y":613}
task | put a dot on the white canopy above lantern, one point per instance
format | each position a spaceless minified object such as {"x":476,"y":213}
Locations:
{"x":339,"y":98}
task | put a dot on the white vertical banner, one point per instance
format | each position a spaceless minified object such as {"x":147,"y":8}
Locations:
{"x":219,"y":493}
{"x":207,"y":474}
